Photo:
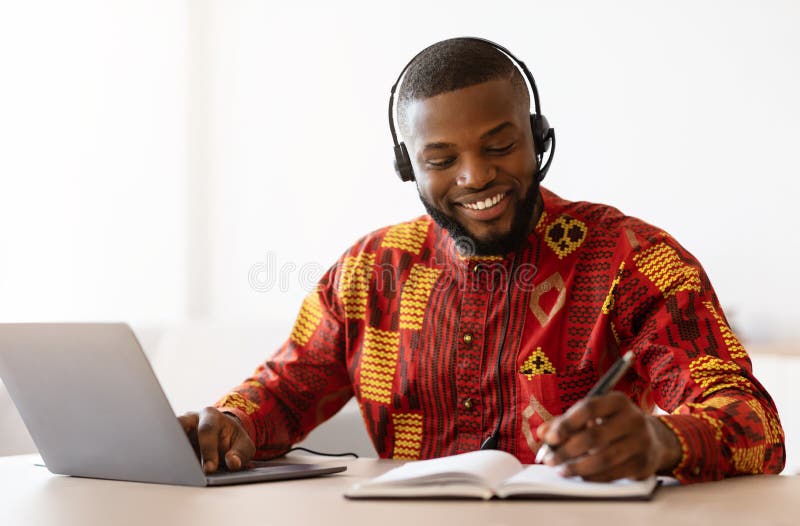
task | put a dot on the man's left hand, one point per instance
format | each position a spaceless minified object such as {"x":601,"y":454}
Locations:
{"x":608,"y":437}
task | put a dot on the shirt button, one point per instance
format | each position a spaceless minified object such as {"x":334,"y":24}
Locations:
{"x":696,"y":471}
{"x":468,"y":403}
{"x":476,"y":268}
{"x":467,"y":338}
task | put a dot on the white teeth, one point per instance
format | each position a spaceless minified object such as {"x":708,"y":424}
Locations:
{"x":488,"y":203}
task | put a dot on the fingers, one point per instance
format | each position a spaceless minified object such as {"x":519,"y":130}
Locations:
{"x":602,"y":438}
{"x":633,"y":468}
{"x":624,"y":458}
{"x":208,"y":435}
{"x":541,"y":431}
{"x":241,"y":451}
{"x":215,"y":437}
{"x":591,"y":438}
{"x":189,"y":422}
{"x":584,"y":413}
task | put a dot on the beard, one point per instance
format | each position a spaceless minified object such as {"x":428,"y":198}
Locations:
{"x":469,"y":245}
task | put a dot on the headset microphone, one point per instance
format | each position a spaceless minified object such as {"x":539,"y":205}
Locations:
{"x":544,"y":137}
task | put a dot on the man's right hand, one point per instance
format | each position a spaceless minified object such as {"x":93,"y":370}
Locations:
{"x":214,"y":436}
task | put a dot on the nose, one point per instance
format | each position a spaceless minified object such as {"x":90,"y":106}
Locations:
{"x":476,"y":172}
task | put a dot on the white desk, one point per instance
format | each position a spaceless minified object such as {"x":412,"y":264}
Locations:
{"x":30,"y":495}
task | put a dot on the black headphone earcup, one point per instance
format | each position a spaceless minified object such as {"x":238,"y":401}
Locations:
{"x":402,"y":163}
{"x":541,"y":133}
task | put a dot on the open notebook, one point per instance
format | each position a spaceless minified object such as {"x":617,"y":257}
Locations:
{"x":487,"y":474}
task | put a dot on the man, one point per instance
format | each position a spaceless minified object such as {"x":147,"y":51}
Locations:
{"x":485,"y":322}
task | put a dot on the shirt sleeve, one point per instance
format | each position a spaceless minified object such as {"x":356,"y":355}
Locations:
{"x":696,"y":368}
{"x":303,"y":384}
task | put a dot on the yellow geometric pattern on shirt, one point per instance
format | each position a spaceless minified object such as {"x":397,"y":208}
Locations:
{"x":717,"y":402}
{"x":710,"y":420}
{"x":482,"y":259}
{"x":608,"y":304}
{"x":662,"y":266}
{"x":735,"y":348}
{"x":414,"y":298}
{"x":238,"y":401}
{"x":684,"y":446}
{"x":407,"y":435}
{"x":713,"y":374}
{"x":537,"y":363}
{"x":308,"y":319}
{"x":773,"y":433}
{"x":378,"y":363}
{"x":748,"y":459}
{"x":565,"y":235}
{"x":354,"y":284}
{"x":539,"y":228}
{"x":407,"y":236}
{"x":615,"y":333}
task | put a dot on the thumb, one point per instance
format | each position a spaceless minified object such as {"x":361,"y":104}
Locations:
{"x":233,"y":460}
{"x":241,"y":451}
{"x":542,"y":430}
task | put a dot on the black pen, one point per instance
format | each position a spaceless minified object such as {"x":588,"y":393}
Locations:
{"x":603,"y":386}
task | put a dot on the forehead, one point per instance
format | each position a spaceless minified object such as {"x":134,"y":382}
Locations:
{"x":465,"y":112}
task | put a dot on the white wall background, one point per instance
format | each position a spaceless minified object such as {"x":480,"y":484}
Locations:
{"x":153,"y":152}
{"x":92,"y":160}
{"x":682,"y":113}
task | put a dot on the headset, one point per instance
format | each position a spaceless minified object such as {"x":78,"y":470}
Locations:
{"x":544,"y":137}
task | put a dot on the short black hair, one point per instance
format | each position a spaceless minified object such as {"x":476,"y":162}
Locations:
{"x":453,"y":64}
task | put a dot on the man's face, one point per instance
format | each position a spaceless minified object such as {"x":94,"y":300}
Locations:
{"x":474,"y":161}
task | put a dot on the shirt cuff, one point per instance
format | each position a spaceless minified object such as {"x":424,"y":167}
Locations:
{"x":700,"y":451}
{"x":245,"y":420}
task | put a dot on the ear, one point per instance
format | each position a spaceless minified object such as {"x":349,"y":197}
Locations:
{"x":402,"y":163}
{"x":541,"y":134}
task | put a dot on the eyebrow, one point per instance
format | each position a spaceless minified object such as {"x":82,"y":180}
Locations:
{"x":438,"y":146}
{"x":497,"y":129}
{"x":444,"y":145}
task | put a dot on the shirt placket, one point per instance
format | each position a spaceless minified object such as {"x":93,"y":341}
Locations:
{"x":469,"y":350}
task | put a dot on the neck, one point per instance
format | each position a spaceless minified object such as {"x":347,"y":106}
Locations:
{"x":537,"y":211}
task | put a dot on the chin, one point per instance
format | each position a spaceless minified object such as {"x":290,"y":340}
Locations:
{"x":492,"y":234}
{"x":496,"y":241}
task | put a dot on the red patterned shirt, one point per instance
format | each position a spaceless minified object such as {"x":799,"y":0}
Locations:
{"x":419,"y":334}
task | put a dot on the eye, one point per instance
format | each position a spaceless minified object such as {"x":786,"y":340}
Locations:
{"x":439,"y":164}
{"x":501,"y":149}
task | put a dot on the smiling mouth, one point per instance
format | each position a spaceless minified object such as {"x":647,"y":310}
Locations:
{"x":487,"y":203}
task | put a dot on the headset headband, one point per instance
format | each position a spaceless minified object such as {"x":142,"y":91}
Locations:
{"x":520,"y":65}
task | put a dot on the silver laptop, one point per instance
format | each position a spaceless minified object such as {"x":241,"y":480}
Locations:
{"x":94,"y":408}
